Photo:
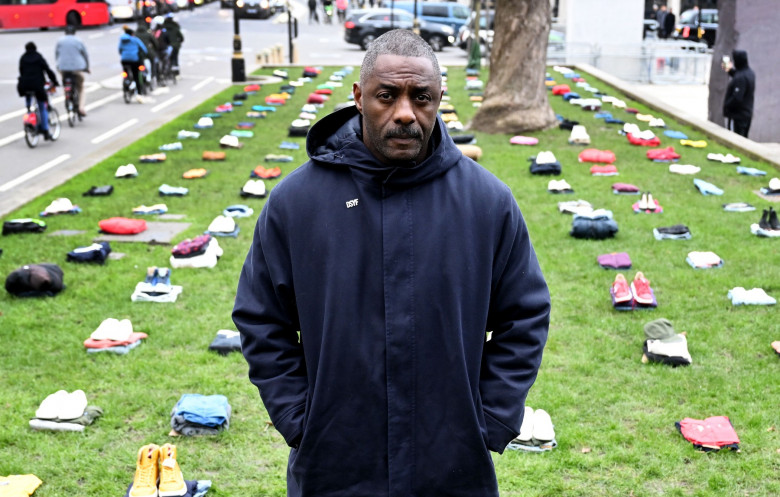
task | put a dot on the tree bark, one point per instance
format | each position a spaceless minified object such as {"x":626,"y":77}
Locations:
{"x":515,"y":97}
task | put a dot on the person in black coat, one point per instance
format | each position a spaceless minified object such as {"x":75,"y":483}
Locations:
{"x":33,"y":70}
{"x":669,"y":22}
{"x":738,"y":103}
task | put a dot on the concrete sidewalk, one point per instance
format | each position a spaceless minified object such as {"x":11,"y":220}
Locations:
{"x":688,"y":103}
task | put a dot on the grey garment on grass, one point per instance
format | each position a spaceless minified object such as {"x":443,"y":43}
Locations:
{"x":189,"y":429}
{"x":659,"y":329}
{"x":538,"y":447}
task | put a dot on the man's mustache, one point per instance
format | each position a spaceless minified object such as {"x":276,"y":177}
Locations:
{"x":404,"y":132}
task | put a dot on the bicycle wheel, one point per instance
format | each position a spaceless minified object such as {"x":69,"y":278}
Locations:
{"x":127,"y":93}
{"x":31,"y":136}
{"x":54,"y":124}
{"x":70,"y":110}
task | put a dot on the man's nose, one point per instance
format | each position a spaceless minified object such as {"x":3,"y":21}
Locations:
{"x":404,"y":111}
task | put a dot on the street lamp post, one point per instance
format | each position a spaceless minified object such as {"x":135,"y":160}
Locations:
{"x":238,"y":68}
{"x":416,"y":24}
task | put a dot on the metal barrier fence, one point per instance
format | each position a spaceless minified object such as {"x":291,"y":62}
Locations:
{"x":653,"y":61}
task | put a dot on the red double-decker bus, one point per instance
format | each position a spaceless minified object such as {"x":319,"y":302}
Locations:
{"x":19,"y":14}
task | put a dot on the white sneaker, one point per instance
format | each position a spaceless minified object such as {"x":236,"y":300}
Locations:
{"x":310,"y":108}
{"x":58,"y":206}
{"x":543,"y":429}
{"x":579,"y":135}
{"x":646,"y":135}
{"x":301,"y":123}
{"x":774,"y":184}
{"x":222,"y":224}
{"x":657,"y":122}
{"x":126,"y":171}
{"x":205,"y":122}
{"x":630,"y":128}
{"x":545,"y":157}
{"x":527,"y":428}
{"x":255,"y":187}
{"x":230,"y":141}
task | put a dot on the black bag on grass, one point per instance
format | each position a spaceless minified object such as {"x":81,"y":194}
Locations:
{"x":23,"y":226}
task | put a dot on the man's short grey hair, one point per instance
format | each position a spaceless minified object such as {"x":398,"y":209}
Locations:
{"x":397,"y":42}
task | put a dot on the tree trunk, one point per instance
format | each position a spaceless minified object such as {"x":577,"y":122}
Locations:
{"x":515,"y":96}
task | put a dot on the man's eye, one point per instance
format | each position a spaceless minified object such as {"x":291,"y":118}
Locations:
{"x":384,"y":96}
{"x":424,"y":98}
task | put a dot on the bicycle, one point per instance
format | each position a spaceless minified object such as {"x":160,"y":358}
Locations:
{"x":130,"y":87}
{"x":165,"y":69}
{"x":33,"y":117}
{"x":71,"y":99}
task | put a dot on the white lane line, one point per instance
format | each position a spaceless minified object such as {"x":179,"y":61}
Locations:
{"x":11,"y":138}
{"x":168,"y":102}
{"x":115,"y":131}
{"x":98,"y":103}
{"x":96,"y":35}
{"x":203,"y":83}
{"x":35,"y":172}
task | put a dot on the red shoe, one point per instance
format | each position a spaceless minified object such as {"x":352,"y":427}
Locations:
{"x":641,"y":289}
{"x":620,"y":290}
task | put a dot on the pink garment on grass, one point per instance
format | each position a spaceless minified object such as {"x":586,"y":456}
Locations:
{"x":91,"y":343}
{"x":715,"y":431}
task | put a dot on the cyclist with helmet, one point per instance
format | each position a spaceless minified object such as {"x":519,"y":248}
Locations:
{"x":132,"y":53}
{"x":71,"y":57}
{"x":33,"y":70}
{"x":163,"y":44}
{"x":176,"y":38}
{"x":143,"y":34}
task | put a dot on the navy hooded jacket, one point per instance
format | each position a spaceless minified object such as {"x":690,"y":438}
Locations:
{"x":738,"y":103}
{"x":393,"y":276}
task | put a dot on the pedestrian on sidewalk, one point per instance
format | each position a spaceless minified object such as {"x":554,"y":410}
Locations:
{"x":669,"y":23}
{"x":313,"y":12}
{"x":371,"y":353}
{"x":71,"y":57}
{"x":659,"y":17}
{"x":738,"y":102}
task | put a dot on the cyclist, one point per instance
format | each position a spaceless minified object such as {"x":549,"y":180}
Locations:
{"x":33,"y":70}
{"x":71,"y":57}
{"x":176,"y":38}
{"x":143,"y":34}
{"x":163,"y":44}
{"x":132,"y":52}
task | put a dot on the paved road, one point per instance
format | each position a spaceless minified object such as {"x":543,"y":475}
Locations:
{"x":111,"y":124}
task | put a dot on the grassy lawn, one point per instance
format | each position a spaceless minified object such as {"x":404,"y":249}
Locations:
{"x":614,"y":417}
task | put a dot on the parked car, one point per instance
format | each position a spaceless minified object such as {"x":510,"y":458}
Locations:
{"x":364,"y":26}
{"x":697,"y":26}
{"x":253,"y":9}
{"x":123,"y":9}
{"x":452,"y":14}
{"x":555,"y":40}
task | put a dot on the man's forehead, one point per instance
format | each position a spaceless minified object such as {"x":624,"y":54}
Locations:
{"x":389,"y":66}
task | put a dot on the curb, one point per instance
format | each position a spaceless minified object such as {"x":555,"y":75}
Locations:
{"x":721,"y":135}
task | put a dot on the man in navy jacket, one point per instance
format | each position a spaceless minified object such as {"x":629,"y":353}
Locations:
{"x":376,"y":272}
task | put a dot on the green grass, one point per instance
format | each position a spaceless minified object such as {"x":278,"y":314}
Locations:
{"x":598,"y":393}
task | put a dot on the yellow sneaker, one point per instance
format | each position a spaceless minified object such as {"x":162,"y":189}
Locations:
{"x":171,"y":480}
{"x":145,"y":480}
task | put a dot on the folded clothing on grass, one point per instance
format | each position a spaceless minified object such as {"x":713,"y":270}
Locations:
{"x":196,"y":414}
{"x":711,"y":434}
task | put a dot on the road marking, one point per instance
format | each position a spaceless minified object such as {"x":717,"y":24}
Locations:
{"x":168,"y":102}
{"x":98,"y":103}
{"x":203,"y":83}
{"x":115,"y":131}
{"x":35,"y":172}
{"x":11,"y":138}
{"x":96,"y":35}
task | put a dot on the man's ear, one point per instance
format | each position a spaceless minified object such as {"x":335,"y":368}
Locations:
{"x":358,"y":96}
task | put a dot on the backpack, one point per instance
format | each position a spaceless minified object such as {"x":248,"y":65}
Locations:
{"x":35,"y":280}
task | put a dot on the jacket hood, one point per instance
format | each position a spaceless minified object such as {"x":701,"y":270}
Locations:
{"x":740,"y":59}
{"x":344,"y":148}
{"x":125,"y":38}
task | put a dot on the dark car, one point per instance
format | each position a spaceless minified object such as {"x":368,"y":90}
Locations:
{"x":697,"y":26}
{"x":364,"y":26}
{"x":253,"y":9}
